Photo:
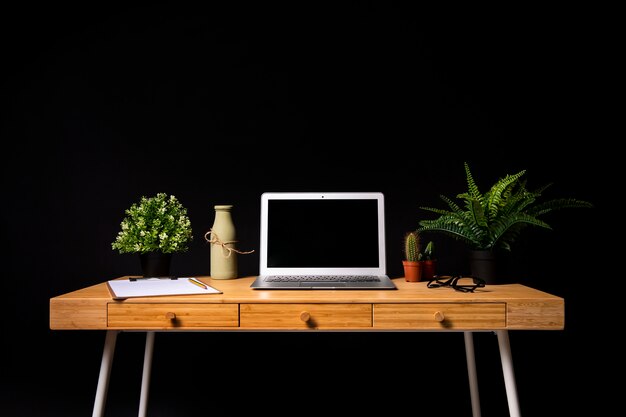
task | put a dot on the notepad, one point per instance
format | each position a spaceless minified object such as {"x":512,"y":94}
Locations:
{"x":152,"y":287}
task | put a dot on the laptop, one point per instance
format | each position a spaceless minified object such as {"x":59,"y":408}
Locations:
{"x":314,"y":241}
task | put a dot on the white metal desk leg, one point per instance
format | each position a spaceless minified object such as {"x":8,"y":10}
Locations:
{"x":145,"y":379}
{"x":471,"y":373}
{"x":507,"y":370}
{"x":105,"y":372}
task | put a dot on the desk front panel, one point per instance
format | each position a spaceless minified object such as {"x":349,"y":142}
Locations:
{"x":425,"y":316}
{"x":172,"y":316}
{"x":306,"y":316}
{"x":457,"y":316}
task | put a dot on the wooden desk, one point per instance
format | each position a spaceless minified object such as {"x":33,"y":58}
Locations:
{"x":412,"y":307}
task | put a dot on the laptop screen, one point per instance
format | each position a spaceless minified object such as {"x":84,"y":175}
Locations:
{"x":322,"y":233}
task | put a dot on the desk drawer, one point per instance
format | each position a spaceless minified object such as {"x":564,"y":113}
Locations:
{"x":440,"y":316}
{"x":165,"y":316}
{"x":306,"y":316}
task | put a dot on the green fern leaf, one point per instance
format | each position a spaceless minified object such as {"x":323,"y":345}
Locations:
{"x":511,"y":235}
{"x":453,"y":230}
{"x":436,"y":210}
{"x":527,"y":198}
{"x":540,"y":190}
{"x":557,"y":204}
{"x":471,"y":184}
{"x":501,"y":227}
{"x":476,"y":211}
{"x":453,"y":206}
{"x":495,"y":202}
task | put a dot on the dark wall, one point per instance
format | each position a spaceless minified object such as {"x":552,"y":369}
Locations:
{"x":216,"y":106}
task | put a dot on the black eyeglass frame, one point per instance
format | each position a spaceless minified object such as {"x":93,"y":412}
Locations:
{"x":452,"y":281}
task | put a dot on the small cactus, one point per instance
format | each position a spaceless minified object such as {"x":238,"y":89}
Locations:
{"x":428,"y":251}
{"x":411,"y":246}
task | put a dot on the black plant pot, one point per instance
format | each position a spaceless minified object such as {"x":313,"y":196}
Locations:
{"x":483,"y":264}
{"x":155,"y":264}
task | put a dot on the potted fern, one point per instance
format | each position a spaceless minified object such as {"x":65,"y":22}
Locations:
{"x":412,"y":255}
{"x":491,"y":221}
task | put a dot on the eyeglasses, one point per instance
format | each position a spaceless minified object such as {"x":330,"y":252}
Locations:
{"x":458,"y":282}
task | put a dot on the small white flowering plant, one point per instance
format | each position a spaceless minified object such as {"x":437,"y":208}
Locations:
{"x":158,"y":223}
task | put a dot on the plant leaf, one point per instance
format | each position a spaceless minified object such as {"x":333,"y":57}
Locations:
{"x":556,"y":204}
{"x":501,"y":227}
{"x":495,"y":200}
{"x":451,"y":229}
{"x":477,"y":212}
{"x":471,"y":184}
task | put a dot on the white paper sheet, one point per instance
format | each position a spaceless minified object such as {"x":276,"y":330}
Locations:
{"x":151,"y":287}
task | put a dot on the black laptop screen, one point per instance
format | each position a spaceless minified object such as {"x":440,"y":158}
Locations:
{"x":324,"y":233}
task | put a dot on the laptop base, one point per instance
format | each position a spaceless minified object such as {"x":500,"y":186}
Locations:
{"x":261,"y":283}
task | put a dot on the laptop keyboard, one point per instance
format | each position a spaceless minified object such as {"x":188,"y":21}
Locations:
{"x":322,"y":278}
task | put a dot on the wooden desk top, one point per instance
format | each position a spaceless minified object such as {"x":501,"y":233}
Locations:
{"x":522,"y":307}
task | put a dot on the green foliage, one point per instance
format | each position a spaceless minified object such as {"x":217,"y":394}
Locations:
{"x":411,"y":247}
{"x":494,"y":219}
{"x":156,"y":223}
{"x":429,"y":251}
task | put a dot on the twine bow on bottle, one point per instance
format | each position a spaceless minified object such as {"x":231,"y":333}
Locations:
{"x":226,"y":250}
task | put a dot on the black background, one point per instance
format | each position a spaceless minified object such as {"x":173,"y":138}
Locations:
{"x":216,"y":105}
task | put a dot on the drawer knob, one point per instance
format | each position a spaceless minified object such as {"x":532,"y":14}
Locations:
{"x":305,"y":316}
{"x":439,"y":316}
{"x":170,"y":316}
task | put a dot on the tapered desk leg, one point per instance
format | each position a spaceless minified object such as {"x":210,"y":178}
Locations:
{"x":105,"y":372}
{"x":145,"y":379}
{"x":471,"y":373}
{"x":507,"y":370}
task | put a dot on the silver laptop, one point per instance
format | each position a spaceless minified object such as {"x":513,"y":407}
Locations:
{"x":322,"y":241}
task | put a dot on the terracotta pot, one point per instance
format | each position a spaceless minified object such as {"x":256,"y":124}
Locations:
{"x":412,"y":271}
{"x":428,"y":269}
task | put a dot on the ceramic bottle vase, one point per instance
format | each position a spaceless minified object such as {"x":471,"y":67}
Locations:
{"x":223,"y":237}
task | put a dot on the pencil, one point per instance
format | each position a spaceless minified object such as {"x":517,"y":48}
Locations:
{"x":198,"y":283}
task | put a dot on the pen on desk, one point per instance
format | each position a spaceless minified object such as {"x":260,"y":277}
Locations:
{"x":198,"y":283}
